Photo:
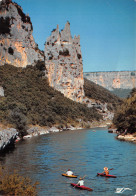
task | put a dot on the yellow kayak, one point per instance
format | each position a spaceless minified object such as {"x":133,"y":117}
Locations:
{"x":71,"y":176}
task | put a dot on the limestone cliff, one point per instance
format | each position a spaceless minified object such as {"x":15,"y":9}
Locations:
{"x":17,"y":45}
{"x":1,"y":91}
{"x":7,"y":138}
{"x":114,"y":79}
{"x":63,"y":61}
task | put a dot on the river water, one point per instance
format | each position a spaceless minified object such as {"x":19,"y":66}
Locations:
{"x":86,"y":152}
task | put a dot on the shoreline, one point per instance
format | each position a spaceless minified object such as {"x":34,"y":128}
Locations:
{"x":37,"y":130}
{"x":9,"y":136}
{"x":127,"y":138}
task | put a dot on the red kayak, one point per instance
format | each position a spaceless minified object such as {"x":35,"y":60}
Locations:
{"x":104,"y":175}
{"x":81,"y":187}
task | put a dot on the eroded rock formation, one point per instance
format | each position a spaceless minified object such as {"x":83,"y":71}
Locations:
{"x":64,"y":66}
{"x":17,"y":45}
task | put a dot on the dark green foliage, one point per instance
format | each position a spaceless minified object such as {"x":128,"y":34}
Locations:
{"x":132,"y":73}
{"x":53,"y":30}
{"x":79,"y":56}
{"x":18,"y":119}
{"x":5,"y":25}
{"x":41,"y":65}
{"x":122,"y":93}
{"x":97,"y":92}
{"x":4,"y":5}
{"x":50,"y":57}
{"x":24,"y":18}
{"x":10,"y":51}
{"x":125,"y":116}
{"x":30,"y":100}
{"x":65,"y":52}
{"x":133,"y":92}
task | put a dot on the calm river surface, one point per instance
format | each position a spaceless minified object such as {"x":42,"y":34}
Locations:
{"x":86,"y":152}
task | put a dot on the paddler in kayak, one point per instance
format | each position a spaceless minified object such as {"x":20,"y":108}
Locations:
{"x":106,"y":171}
{"x":69,"y":172}
{"x":80,"y":182}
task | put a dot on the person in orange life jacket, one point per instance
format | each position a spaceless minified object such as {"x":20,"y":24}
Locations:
{"x":69,"y":173}
{"x":106,"y":171}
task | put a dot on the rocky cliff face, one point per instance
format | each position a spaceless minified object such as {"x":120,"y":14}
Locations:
{"x":1,"y":91}
{"x":7,"y":137}
{"x":63,"y":60}
{"x":17,"y":45}
{"x":64,"y":66}
{"x":113,"y":80}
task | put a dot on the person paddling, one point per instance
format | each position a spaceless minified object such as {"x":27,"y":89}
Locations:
{"x":106,"y":171}
{"x":69,"y":172}
{"x":80,"y":182}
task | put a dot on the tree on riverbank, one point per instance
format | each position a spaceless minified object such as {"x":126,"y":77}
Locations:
{"x":125,"y":117}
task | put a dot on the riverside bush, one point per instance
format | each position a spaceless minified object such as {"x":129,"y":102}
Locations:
{"x":14,"y":184}
{"x":125,"y":116}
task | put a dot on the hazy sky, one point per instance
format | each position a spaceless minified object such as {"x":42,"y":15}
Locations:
{"x":107,"y":29}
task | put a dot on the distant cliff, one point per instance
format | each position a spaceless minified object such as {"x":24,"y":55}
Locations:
{"x":114,"y":79}
{"x":63,"y":61}
{"x":17,"y":45}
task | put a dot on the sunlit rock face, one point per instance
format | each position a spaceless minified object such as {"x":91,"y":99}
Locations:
{"x":63,"y":60}
{"x":114,"y":79}
{"x":1,"y":91}
{"x":17,"y":45}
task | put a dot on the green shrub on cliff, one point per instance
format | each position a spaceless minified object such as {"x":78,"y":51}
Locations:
{"x":17,"y":118}
{"x":125,"y":116}
{"x":30,"y":100}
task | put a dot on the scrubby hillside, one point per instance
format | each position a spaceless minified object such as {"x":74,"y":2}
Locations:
{"x":97,"y":92}
{"x":125,"y":116}
{"x":30,"y":100}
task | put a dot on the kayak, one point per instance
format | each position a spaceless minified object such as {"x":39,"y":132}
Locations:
{"x":81,"y":187}
{"x":69,"y":176}
{"x":104,"y":175}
